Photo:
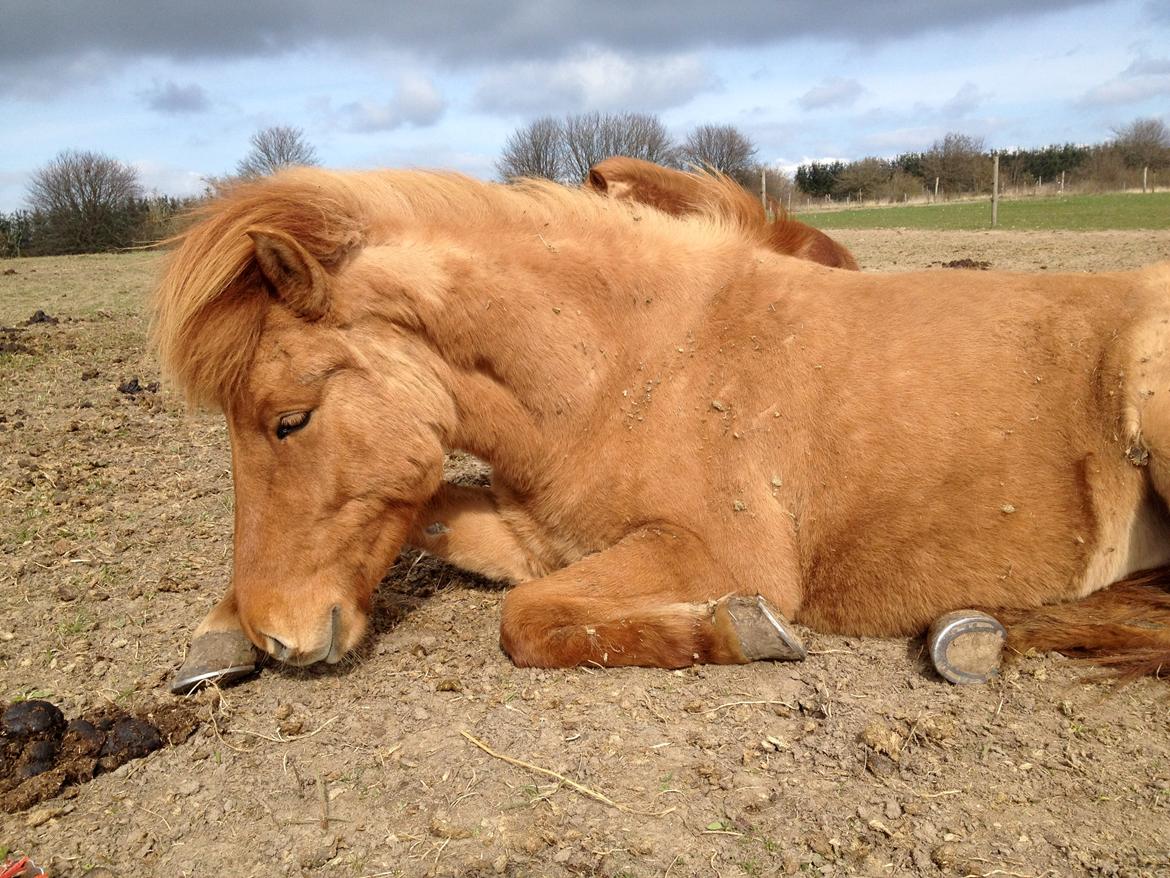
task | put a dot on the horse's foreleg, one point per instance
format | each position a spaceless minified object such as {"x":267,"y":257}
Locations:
{"x":655,"y":599}
{"x":219,"y":649}
{"x":464,"y":527}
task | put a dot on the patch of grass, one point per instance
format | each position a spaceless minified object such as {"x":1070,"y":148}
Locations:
{"x":1074,"y":212}
{"x":80,"y":624}
{"x":32,"y":695}
{"x":78,"y":286}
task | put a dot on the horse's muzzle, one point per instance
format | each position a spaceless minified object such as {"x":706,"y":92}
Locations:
{"x":328,"y":649}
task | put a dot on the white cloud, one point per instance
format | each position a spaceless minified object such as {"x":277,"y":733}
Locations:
{"x":595,"y":79}
{"x":1143,"y":79}
{"x":168,"y":179}
{"x":834,"y":92}
{"x":964,"y":101}
{"x":416,"y":102}
{"x":170,"y":97}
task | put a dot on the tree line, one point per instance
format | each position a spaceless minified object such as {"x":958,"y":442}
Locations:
{"x":958,"y":164}
{"x":85,"y":202}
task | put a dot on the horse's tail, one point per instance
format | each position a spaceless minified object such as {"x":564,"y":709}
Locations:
{"x":1125,"y":627}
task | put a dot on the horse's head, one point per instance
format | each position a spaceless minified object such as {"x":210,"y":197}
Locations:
{"x":337,"y":419}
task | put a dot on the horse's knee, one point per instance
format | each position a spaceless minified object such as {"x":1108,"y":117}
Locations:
{"x":521,"y":624}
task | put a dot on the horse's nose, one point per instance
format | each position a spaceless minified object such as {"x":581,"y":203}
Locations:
{"x":287,"y":649}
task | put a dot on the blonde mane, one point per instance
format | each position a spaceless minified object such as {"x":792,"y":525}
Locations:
{"x":209,"y":305}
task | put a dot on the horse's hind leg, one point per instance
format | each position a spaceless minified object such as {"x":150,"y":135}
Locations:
{"x":655,"y":599}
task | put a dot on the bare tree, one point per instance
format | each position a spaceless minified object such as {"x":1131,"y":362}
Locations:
{"x":591,"y":137}
{"x":276,"y":147}
{"x":1144,"y":143}
{"x":722,"y":148}
{"x":86,"y":200}
{"x":863,"y":179}
{"x":960,"y":163}
{"x":536,"y":150}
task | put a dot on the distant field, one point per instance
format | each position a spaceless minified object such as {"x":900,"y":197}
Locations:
{"x":1078,"y":212}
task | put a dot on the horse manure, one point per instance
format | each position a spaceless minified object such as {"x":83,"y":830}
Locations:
{"x":40,"y":316}
{"x":133,"y":387}
{"x":975,"y":264}
{"x":128,"y":738}
{"x":32,"y":719}
{"x":41,"y":754}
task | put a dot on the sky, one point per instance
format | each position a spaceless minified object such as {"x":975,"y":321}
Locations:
{"x":176,"y":88}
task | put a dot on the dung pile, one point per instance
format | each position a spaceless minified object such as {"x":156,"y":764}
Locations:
{"x":41,"y":753}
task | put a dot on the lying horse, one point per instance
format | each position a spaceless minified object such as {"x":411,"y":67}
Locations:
{"x":679,"y":193}
{"x":678,"y":420}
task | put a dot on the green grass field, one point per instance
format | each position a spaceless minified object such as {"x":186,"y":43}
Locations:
{"x":1080,"y":212}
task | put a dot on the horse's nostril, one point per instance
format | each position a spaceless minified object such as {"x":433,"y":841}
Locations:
{"x":334,"y":624}
{"x":278,"y":650}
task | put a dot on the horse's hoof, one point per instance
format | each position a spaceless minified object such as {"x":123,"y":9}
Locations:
{"x":220,"y":657}
{"x":763,"y":631}
{"x":966,"y":646}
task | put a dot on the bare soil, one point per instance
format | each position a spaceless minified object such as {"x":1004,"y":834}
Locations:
{"x":115,"y":538}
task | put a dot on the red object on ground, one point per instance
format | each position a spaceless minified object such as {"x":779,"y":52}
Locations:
{"x":22,"y":868}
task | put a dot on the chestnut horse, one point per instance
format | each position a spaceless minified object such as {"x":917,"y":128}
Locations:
{"x":679,"y":193}
{"x":677,"y":419}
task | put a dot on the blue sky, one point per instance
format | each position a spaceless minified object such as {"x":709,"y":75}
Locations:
{"x":176,"y":89}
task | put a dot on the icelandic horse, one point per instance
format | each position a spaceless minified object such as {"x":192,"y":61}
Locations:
{"x":679,"y":193}
{"x":690,"y":435}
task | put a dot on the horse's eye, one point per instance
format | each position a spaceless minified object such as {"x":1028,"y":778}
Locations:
{"x":291,"y":423}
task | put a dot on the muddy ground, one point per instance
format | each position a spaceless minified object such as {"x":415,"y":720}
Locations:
{"x":115,"y":531}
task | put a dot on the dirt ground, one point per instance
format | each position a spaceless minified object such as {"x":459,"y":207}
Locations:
{"x":115,"y":530}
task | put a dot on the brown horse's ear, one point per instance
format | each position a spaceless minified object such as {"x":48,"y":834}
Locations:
{"x":297,"y":277}
{"x":597,"y":180}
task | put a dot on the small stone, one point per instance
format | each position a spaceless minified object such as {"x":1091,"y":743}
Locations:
{"x":449,"y":684}
{"x":500,"y":864}
{"x":739,"y":506}
{"x":1007,"y":509}
{"x":718,"y":405}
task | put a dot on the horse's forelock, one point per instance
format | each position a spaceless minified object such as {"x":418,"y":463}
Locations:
{"x":209,"y":306}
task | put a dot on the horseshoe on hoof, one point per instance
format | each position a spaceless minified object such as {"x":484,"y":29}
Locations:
{"x":221,"y":657}
{"x":966,"y":646}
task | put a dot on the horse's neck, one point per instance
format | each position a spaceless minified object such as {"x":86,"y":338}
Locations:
{"x":531,"y":346}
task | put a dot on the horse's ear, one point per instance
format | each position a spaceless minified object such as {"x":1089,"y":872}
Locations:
{"x":297,"y":277}
{"x":597,"y":181}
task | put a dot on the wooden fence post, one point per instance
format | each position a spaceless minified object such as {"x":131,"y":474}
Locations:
{"x":995,"y":191}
